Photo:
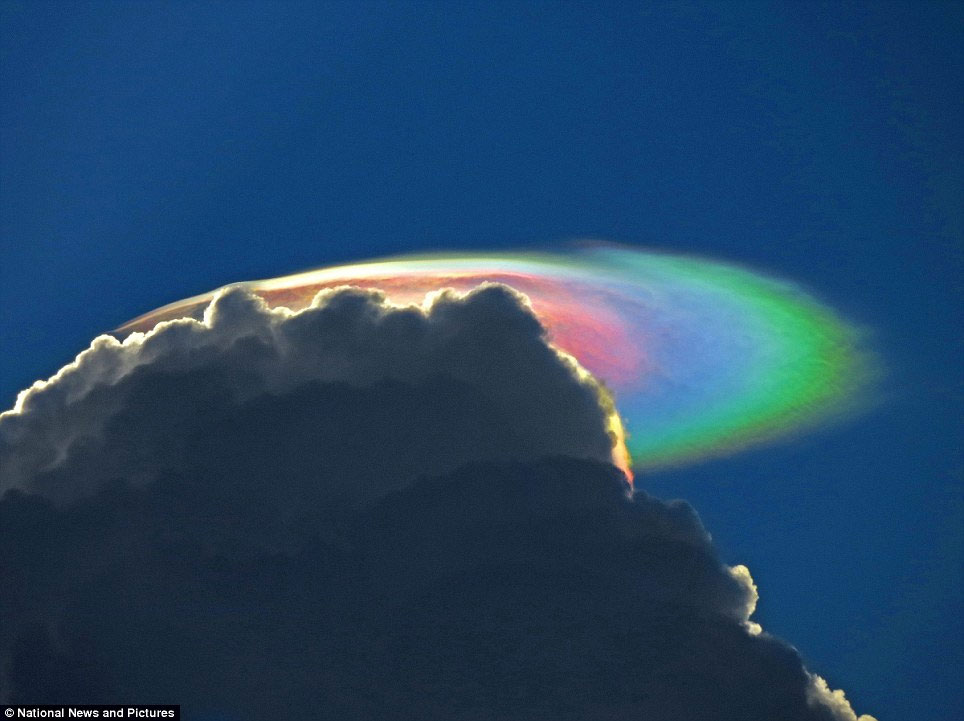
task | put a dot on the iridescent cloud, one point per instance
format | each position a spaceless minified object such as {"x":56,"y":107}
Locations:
{"x":703,"y":358}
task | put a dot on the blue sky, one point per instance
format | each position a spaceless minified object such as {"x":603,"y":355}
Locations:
{"x":152,"y":151}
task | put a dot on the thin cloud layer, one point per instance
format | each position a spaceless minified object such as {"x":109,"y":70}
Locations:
{"x":360,"y":511}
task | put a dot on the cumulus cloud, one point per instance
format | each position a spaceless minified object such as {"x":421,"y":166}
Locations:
{"x":360,"y":511}
{"x":475,"y":369}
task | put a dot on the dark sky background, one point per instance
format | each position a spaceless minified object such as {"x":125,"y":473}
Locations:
{"x":150,"y":152}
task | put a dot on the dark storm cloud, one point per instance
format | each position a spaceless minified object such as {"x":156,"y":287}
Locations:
{"x":362,"y":512}
{"x":468,"y":378}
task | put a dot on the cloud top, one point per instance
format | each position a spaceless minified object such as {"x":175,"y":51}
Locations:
{"x":131,"y":409}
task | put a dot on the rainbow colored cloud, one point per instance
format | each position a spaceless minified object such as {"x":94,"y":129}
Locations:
{"x":703,"y":358}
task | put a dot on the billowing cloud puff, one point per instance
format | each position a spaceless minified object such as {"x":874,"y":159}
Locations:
{"x":468,"y":377}
{"x":362,"y":512}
